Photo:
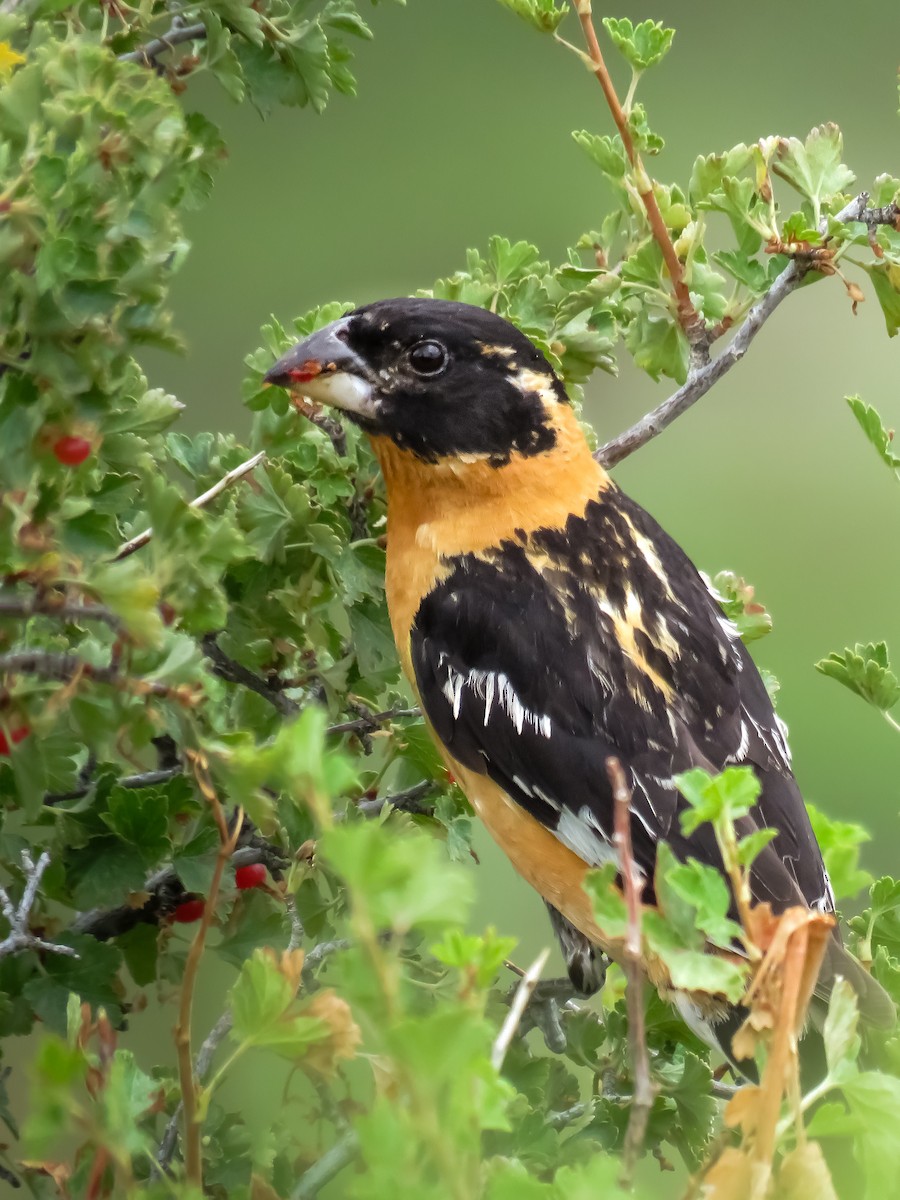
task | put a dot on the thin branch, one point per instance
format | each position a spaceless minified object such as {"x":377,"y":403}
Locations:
{"x":65,"y":667}
{"x":700,"y":380}
{"x":202,"y":1064}
{"x":147,"y":54}
{"x":53,"y":605}
{"x":370,"y":722}
{"x":317,"y":956}
{"x":644,"y":1090}
{"x":507,"y":1032}
{"x":133,"y":782}
{"x":409,"y":801}
{"x":193,"y":1124}
{"x":230,"y":669}
{"x":690,"y":320}
{"x":20,"y":936}
{"x":238,"y":472}
{"x":333,"y":1161}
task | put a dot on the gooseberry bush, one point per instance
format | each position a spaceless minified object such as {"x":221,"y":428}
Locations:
{"x":207,"y":755}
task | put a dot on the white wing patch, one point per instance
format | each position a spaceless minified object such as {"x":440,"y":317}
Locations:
{"x":491,"y":687}
{"x":584,"y":837}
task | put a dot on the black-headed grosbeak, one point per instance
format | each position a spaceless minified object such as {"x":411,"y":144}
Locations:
{"x":547,"y":623}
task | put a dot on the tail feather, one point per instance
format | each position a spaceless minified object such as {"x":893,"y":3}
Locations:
{"x":876,"y":1008}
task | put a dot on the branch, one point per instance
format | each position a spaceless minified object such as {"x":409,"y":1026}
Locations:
{"x":147,"y":54}
{"x":699,"y":381}
{"x":20,"y":936}
{"x":65,"y":667}
{"x":203,"y":1062}
{"x":230,"y":669}
{"x":371,"y":722}
{"x":53,"y":605}
{"x":644,"y":1090}
{"x":166,"y":891}
{"x":690,"y":320}
{"x":341,"y":1154}
{"x":132,"y":782}
{"x":193,"y":1121}
{"x":507,"y":1032}
{"x":238,"y":472}
{"x":409,"y":801}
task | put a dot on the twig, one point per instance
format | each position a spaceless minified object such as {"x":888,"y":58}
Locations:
{"x":147,"y":54}
{"x":165,"y":892}
{"x":50,"y":605}
{"x":341,"y":1154}
{"x":205,"y":1056}
{"x":690,"y":320}
{"x":527,"y":984}
{"x":133,"y":782}
{"x":65,"y":667}
{"x":230,"y":669}
{"x":317,"y":956}
{"x":644,"y":1091}
{"x":20,"y":936}
{"x":228,"y":839}
{"x":700,"y":380}
{"x":409,"y":801}
{"x":238,"y":472}
{"x":369,"y":722}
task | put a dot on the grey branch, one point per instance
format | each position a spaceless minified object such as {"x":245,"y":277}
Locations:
{"x":527,"y":984}
{"x":701,"y":378}
{"x":370,"y":722}
{"x":55,"y":606}
{"x":202,"y":1064}
{"x":20,"y":936}
{"x":64,"y":667}
{"x":410,"y":801}
{"x":133,"y":782}
{"x":238,"y":472}
{"x":230,"y":669}
{"x":333,"y":1161}
{"x":147,"y":54}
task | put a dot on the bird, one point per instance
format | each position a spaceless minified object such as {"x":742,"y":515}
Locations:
{"x":546,"y":623}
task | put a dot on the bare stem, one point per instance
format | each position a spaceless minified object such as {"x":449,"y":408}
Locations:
{"x":527,"y":984}
{"x":20,"y":936}
{"x":238,"y":472}
{"x":690,"y":320}
{"x":205,"y":1056}
{"x":147,"y":54}
{"x":644,"y":1090}
{"x":702,"y":378}
{"x":50,"y":605}
{"x":193,"y":1128}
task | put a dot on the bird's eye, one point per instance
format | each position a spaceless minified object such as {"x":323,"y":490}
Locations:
{"x":428,"y":358}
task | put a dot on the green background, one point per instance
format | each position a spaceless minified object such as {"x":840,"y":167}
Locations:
{"x":462,"y":129}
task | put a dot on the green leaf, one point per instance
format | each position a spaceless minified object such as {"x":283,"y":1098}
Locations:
{"x":607,"y":152}
{"x":814,"y":167}
{"x":872,"y":427}
{"x":839,"y":842}
{"x":842,"y":1042}
{"x":716,"y":798}
{"x":643,"y":45}
{"x":610,"y":910}
{"x":885,"y":278}
{"x":705,"y":889}
{"x":866,"y":671}
{"x":693,"y":970}
{"x":544,"y":15}
{"x":736,"y":598}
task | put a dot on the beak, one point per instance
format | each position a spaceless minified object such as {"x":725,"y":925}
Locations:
{"x":326,"y":369}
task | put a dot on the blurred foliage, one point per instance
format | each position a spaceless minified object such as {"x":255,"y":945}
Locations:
{"x":239,"y":661}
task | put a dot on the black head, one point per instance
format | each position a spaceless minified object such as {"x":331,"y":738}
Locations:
{"x":439,"y":378}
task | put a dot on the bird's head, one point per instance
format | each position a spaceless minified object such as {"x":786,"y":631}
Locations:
{"x":441,"y":380}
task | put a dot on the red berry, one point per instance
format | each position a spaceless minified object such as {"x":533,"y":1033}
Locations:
{"x":15,"y":736}
{"x":251,"y":876}
{"x":188,"y":911}
{"x":71,"y":451}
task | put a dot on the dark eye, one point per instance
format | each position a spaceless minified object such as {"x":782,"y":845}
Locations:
{"x":427,"y":358}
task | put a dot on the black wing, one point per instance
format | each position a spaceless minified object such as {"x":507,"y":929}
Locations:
{"x":537,"y":661}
